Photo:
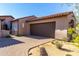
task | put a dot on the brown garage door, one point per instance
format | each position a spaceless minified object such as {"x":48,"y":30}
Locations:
{"x":43,"y":29}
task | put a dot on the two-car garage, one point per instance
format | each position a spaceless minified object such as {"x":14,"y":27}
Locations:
{"x":43,"y":29}
{"x":52,"y":26}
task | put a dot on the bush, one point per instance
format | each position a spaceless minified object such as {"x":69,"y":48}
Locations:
{"x":74,"y":35}
{"x":53,"y":42}
{"x":58,"y":44}
{"x":68,"y":55}
{"x":76,"y":39}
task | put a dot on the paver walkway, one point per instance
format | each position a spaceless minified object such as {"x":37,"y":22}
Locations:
{"x":18,"y":46}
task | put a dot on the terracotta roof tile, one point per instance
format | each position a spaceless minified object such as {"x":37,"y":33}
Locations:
{"x":50,"y":16}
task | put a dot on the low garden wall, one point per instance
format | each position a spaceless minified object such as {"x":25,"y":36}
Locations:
{"x":4,"y":33}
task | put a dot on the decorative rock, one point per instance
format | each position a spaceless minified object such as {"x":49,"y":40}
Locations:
{"x":43,"y":52}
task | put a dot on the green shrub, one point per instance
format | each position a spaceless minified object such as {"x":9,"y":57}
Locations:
{"x":54,"y":41}
{"x":74,"y":35}
{"x":68,"y":55}
{"x":58,"y":44}
{"x":70,"y":30}
{"x":76,"y":39}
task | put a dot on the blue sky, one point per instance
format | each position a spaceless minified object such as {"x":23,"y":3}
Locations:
{"x":27,"y":9}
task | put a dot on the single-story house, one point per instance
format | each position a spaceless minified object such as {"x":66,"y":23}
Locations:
{"x":53,"y":26}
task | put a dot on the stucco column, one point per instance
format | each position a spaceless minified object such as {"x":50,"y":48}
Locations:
{"x":0,"y":24}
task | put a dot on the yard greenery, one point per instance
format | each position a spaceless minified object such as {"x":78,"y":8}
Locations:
{"x":70,"y":30}
{"x":77,"y":26}
{"x":58,"y":44}
{"x":70,"y":33}
{"x":75,"y":36}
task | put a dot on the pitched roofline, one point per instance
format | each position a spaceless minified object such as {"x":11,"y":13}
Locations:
{"x":51,"y":16}
{"x":14,"y":20}
{"x":6,"y":16}
{"x":56,"y":15}
{"x":26,"y":17}
{"x":23,"y":18}
{"x":44,"y":17}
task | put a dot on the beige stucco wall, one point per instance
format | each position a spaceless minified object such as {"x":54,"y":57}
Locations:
{"x":22,"y":27}
{"x":14,"y":32}
{"x":61,"y":25}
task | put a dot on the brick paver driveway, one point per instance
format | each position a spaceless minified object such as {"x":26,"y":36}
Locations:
{"x":18,"y":46}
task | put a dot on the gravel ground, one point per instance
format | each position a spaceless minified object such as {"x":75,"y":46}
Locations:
{"x":52,"y":50}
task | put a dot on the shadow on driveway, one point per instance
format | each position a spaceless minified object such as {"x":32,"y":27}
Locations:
{"x":67,"y":50}
{"x":4,"y":42}
{"x":37,"y":37}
